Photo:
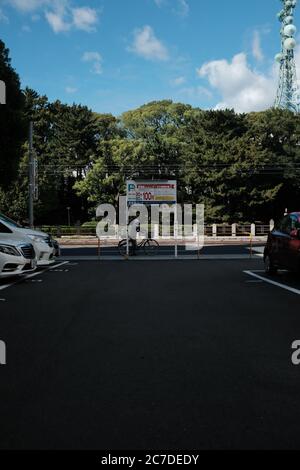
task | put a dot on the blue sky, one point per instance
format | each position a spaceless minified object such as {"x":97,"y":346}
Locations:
{"x":114,"y":55}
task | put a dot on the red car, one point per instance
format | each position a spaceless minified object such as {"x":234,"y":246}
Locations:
{"x":283,"y":246}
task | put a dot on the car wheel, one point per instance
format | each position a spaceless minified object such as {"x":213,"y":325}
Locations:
{"x":269,"y":265}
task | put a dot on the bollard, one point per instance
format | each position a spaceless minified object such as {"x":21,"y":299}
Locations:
{"x":233,"y":230}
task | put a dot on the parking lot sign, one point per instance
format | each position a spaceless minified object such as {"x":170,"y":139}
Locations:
{"x":151,"y":192}
{"x":162,"y":192}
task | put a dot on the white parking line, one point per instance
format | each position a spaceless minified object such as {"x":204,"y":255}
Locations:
{"x":30,"y":276}
{"x":274,"y":283}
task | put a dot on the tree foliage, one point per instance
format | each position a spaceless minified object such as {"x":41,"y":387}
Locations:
{"x":12,"y":125}
{"x":243,"y":167}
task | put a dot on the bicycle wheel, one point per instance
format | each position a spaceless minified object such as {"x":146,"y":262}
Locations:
{"x":151,"y":247}
{"x":123,"y":247}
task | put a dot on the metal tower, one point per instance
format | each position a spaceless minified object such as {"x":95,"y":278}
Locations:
{"x":288,"y":91}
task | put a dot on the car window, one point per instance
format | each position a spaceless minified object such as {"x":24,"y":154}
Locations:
{"x":285,"y":225}
{"x":288,"y":223}
{"x":295,"y":224}
{"x":4,"y":229}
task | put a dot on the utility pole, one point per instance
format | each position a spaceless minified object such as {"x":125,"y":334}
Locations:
{"x":31,"y":177}
{"x":69,"y":216}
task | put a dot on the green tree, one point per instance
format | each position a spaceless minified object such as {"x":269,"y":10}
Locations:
{"x":227,"y":166}
{"x":12,"y":125}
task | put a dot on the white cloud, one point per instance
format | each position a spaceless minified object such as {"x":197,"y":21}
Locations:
{"x":178,"y":81}
{"x":91,"y":56}
{"x":57,"y":22}
{"x":63,"y":17}
{"x":28,"y":5}
{"x":85,"y":18}
{"x":60,"y":14}
{"x":71,"y":90}
{"x":147,"y":45}
{"x":256,"y":47}
{"x":96,"y":59}
{"x":240,"y":86}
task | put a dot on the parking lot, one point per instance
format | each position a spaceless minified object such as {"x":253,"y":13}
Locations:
{"x":164,"y":355}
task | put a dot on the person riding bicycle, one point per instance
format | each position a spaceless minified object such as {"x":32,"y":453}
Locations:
{"x":134,"y":228}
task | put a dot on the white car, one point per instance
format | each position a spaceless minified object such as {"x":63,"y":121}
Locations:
{"x":42,"y":243}
{"x":17,"y":256}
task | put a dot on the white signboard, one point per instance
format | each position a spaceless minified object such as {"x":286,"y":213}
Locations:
{"x":151,"y":192}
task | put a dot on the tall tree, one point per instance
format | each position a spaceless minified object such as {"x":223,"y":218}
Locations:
{"x":12,"y":123}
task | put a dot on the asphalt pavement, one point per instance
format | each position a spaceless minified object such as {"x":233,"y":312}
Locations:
{"x":151,"y":355}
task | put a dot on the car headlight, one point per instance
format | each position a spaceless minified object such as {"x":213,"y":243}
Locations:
{"x":38,"y":238}
{"x":9,"y":250}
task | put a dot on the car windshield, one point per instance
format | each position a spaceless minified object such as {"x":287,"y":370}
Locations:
{"x":9,"y":221}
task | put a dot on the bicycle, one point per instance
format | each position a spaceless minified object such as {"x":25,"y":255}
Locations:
{"x":149,"y":246}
